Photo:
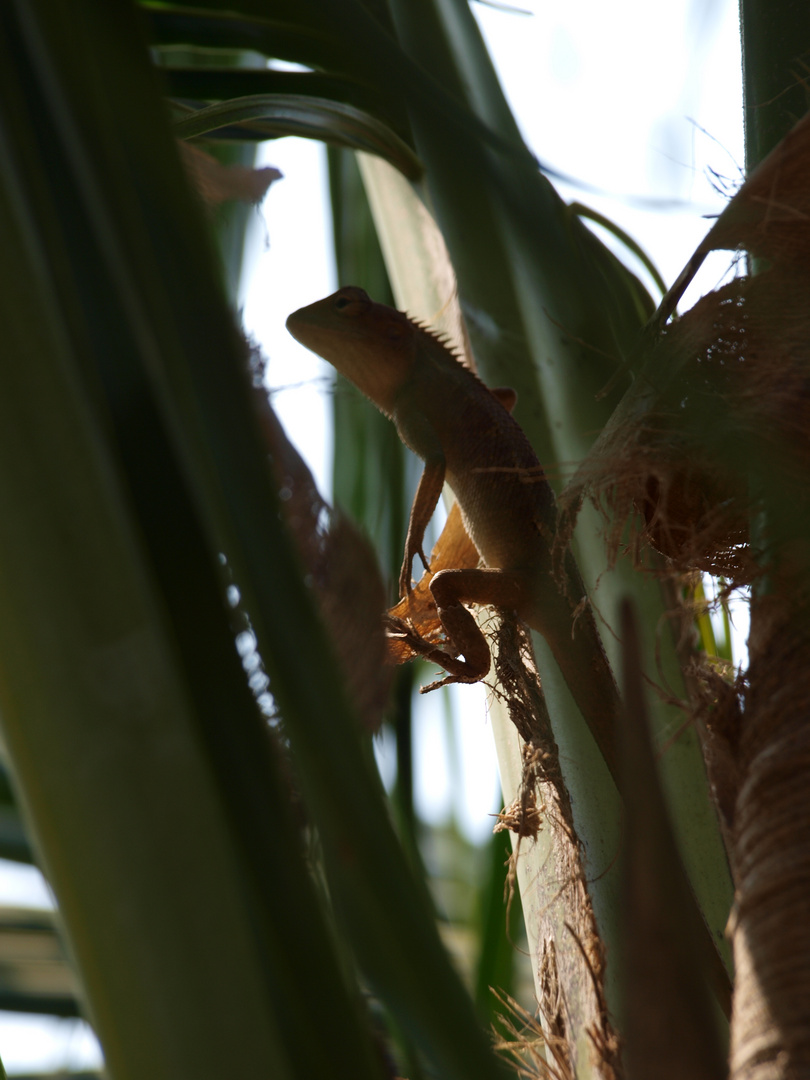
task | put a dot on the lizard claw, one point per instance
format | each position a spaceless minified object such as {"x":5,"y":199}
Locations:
{"x":439,"y":682}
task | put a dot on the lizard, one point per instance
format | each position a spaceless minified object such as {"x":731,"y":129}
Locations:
{"x":466,"y":435}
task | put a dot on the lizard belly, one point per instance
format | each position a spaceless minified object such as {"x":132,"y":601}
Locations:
{"x":500,"y":518}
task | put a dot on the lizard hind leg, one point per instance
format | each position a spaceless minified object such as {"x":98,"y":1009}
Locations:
{"x":470,"y":667}
{"x":466,"y":657}
{"x":463,"y":633}
{"x":451,"y":589}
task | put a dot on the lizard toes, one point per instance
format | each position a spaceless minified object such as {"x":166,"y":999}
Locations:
{"x":395,"y":627}
{"x":402,"y":631}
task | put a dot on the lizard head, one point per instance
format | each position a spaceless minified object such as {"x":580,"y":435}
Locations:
{"x":371,"y":344}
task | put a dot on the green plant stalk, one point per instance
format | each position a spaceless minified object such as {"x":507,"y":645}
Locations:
{"x":99,"y":723}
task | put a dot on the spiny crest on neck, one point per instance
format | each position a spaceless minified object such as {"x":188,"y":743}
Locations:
{"x":447,"y":347}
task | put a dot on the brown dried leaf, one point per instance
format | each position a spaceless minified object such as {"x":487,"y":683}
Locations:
{"x":454,"y":550}
{"x":731,"y":374}
{"x":217,"y":183}
{"x":342,"y":569}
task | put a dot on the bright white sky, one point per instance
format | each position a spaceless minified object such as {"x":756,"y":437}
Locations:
{"x":636,"y":99}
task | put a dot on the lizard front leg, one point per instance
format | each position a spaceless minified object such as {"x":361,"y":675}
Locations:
{"x":424,"y":504}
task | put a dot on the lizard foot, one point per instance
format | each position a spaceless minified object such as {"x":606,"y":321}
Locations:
{"x":403,"y":630}
{"x":444,"y":682}
{"x":458,"y":670}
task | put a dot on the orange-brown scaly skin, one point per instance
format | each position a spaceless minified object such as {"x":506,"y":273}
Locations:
{"x":466,"y":436}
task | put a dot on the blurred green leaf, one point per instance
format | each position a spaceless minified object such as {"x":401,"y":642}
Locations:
{"x":35,"y":974}
{"x":499,"y":935}
{"x":213,"y":84}
{"x":310,"y":117}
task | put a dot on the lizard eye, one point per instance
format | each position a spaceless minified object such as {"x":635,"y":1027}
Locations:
{"x":351,"y":297}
